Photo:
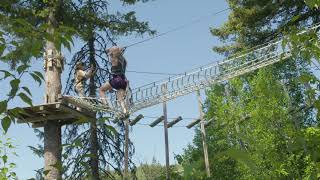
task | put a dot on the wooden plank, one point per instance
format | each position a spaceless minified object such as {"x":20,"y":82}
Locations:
{"x":52,"y":117}
{"x":81,"y":114}
{"x":38,"y":125}
{"x":87,"y":113}
{"x":172,"y":123}
{"x":83,"y":111}
{"x":61,"y":113}
{"x":38,"y":113}
{"x":41,"y":124}
{"x":68,"y":100}
{"x":76,"y":113}
{"x":154,"y":123}
{"x":55,"y":108}
{"x":43,"y":110}
{"x":137,"y":119}
{"x":29,"y":112}
{"x":193,"y":123}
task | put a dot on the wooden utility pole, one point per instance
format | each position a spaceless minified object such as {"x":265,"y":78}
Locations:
{"x":165,"y":127}
{"x":126,"y":150}
{"x":203,"y":134}
{"x":53,"y":65}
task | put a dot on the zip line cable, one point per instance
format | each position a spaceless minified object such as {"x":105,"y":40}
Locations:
{"x":177,"y":28}
{"x":154,"y":73}
{"x":170,"y":31}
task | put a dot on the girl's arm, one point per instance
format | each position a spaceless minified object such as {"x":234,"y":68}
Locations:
{"x":89,"y":73}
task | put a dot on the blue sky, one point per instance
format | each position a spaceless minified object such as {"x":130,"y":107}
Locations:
{"x":176,"y":52}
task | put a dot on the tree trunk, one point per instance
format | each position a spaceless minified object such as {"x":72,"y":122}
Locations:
{"x":94,"y":144}
{"x":52,"y":130}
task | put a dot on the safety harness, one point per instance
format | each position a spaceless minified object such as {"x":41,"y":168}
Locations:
{"x":120,"y":69}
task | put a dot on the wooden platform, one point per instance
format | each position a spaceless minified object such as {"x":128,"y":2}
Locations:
{"x":61,"y":112}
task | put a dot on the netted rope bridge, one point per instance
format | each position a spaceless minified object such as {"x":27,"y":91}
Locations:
{"x":205,"y":76}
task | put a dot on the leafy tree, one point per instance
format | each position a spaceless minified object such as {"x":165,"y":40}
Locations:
{"x":154,"y":171}
{"x":101,"y":29}
{"x":7,"y":167}
{"x":25,"y":27}
{"x":22,"y":37}
{"x":151,"y":171}
{"x":97,"y":30}
{"x":270,"y":112}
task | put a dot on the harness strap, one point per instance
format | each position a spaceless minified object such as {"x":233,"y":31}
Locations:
{"x":120,"y":69}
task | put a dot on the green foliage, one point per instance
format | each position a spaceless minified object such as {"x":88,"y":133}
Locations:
{"x":313,"y":3}
{"x":7,"y":167}
{"x":98,"y":27}
{"x":151,"y":171}
{"x":266,"y":123}
{"x":17,"y":90}
{"x":24,"y":29}
{"x":154,"y":171}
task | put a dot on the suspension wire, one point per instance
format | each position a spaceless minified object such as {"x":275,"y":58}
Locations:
{"x":241,"y":53}
{"x":183,"y":118}
{"x":177,"y":28}
{"x":154,"y":73}
{"x":157,"y":73}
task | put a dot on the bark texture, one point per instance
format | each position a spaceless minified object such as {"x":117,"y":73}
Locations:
{"x":52,"y":130}
{"x":94,"y":144}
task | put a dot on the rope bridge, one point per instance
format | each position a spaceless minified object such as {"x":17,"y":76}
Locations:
{"x":205,"y":76}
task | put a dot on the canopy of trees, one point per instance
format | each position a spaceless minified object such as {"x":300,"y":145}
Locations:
{"x":266,"y":123}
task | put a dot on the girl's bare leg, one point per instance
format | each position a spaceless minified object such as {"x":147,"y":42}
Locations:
{"x":102,"y":92}
{"x":121,"y":96}
{"x":80,"y":92}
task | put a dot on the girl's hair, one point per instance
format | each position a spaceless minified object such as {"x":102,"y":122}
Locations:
{"x":125,"y":62}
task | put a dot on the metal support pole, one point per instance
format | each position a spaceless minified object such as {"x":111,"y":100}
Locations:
{"x":165,"y":125}
{"x":126,"y":150}
{"x":203,"y":134}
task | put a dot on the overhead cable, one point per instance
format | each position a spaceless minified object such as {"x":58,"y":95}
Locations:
{"x":178,"y":28}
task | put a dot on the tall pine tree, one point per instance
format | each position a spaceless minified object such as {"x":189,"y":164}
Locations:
{"x":98,"y":31}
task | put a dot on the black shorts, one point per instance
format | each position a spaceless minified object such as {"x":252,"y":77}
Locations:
{"x":118,"y":82}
